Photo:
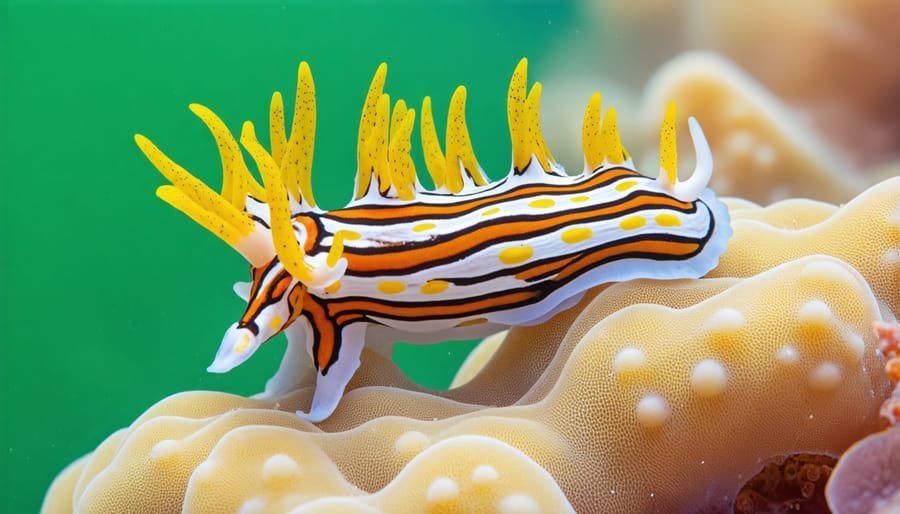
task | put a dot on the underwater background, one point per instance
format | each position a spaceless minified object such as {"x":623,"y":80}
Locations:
{"x":112,"y":299}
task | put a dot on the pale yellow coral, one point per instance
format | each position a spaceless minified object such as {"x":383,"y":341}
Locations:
{"x":640,"y":416}
{"x":864,"y":233}
{"x":793,"y":213}
{"x":607,"y":390}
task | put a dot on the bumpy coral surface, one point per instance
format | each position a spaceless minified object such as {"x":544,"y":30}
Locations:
{"x":647,"y":396}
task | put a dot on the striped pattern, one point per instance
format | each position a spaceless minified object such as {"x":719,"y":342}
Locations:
{"x":462,"y":260}
{"x":392,"y":266}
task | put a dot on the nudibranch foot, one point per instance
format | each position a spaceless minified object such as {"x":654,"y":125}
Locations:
{"x":466,"y":259}
{"x":330,"y":384}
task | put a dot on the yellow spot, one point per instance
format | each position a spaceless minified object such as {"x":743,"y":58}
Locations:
{"x":333,"y":288}
{"x":668,"y":220}
{"x":516,"y":254}
{"x":579,"y":199}
{"x":337,"y":247}
{"x":275,"y":323}
{"x":391,"y":286}
{"x":576,"y":235}
{"x":632,"y":222}
{"x":625,"y":185}
{"x":470,"y":322}
{"x":242,"y":344}
{"x":434,"y":287}
{"x":422,"y":227}
{"x":493,"y":210}
{"x":543,"y":203}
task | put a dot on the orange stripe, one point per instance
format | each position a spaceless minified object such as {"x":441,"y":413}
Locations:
{"x":277,"y":288}
{"x":346,"y":312}
{"x":545,"y":268}
{"x":312,"y":231}
{"x":475,"y":306}
{"x":326,"y":330}
{"x":423,"y":253}
{"x":653,"y":246}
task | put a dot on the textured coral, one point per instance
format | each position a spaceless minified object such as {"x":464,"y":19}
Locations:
{"x":865,"y":480}
{"x":605,"y":403}
{"x":792,"y":484}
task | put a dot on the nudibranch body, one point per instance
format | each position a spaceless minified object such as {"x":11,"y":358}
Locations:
{"x":402,"y":263}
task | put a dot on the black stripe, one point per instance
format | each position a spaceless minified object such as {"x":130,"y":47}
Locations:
{"x":588,"y":185}
{"x":542,"y":289}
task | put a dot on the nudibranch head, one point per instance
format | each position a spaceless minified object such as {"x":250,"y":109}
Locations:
{"x":274,"y":300}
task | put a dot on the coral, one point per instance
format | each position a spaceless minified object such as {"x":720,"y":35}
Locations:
{"x":763,"y":153}
{"x":763,"y":150}
{"x":605,"y":400}
{"x":865,"y":480}
{"x":797,"y":51}
{"x":832,"y":61}
{"x":792,"y":484}
{"x":638,"y":417}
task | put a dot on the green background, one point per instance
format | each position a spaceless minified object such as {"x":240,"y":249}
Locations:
{"x":113,"y":300}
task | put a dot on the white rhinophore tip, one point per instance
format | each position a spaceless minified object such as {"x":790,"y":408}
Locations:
{"x":690,"y":189}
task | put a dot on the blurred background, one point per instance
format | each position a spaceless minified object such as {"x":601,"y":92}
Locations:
{"x":112,"y":300}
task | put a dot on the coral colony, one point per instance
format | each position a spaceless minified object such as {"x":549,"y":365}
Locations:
{"x":627,"y":382}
